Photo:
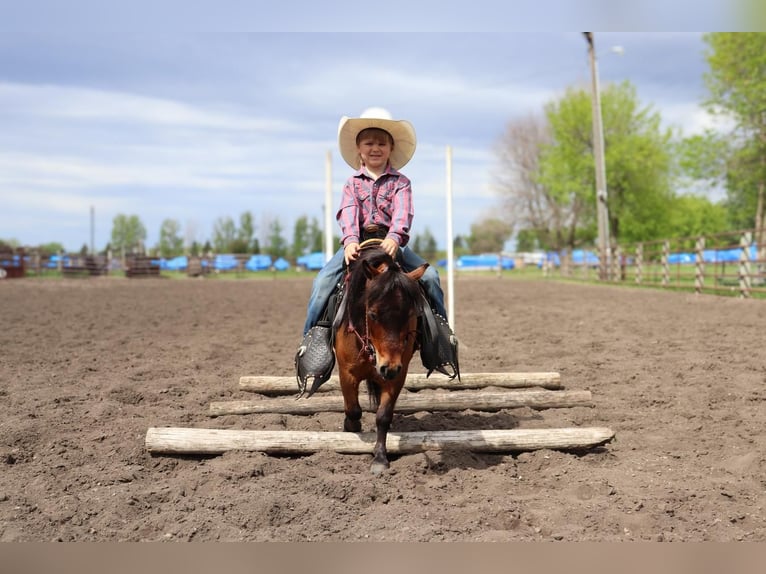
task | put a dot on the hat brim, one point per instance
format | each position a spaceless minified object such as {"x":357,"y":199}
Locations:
{"x":402,"y":131}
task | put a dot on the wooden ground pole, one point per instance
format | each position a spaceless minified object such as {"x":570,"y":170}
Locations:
{"x":217,"y":441}
{"x":285,"y":385}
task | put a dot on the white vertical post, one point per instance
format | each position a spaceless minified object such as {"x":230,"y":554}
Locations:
{"x":450,"y":246}
{"x":328,"y":247}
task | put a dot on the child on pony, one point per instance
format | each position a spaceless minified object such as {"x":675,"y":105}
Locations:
{"x":376,"y":204}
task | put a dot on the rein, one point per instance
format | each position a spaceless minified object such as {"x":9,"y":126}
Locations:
{"x":366,"y":345}
{"x":364,"y":340}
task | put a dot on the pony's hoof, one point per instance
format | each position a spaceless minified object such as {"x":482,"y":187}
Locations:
{"x":377,"y":468}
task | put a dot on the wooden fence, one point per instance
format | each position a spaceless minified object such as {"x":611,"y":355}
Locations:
{"x":726,"y":263}
{"x":34,"y":263}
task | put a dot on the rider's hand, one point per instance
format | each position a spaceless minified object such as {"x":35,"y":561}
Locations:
{"x":351,"y":252}
{"x":389,"y":246}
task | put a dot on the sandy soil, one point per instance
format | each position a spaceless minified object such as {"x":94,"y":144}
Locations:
{"x":87,"y":366}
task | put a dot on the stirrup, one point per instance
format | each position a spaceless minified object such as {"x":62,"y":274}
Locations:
{"x":315,"y":359}
{"x":438,"y":345}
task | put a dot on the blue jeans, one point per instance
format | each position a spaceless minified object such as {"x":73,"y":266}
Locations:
{"x":329,"y":276}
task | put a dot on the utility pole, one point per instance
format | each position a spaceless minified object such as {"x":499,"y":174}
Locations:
{"x":602,"y":210}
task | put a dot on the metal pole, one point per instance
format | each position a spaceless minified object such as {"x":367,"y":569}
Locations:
{"x":450,"y":246}
{"x":602,"y":210}
{"x":328,"y":250}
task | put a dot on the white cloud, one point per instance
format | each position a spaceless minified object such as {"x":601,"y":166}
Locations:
{"x":426,"y":90}
{"x":692,"y":118}
{"x":251,"y":132}
{"x":60,"y":203}
{"x":64,"y":102}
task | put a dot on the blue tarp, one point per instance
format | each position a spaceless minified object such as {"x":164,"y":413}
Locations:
{"x":258,"y":262}
{"x":480,"y":262}
{"x":14,"y":261}
{"x":225,"y":262}
{"x":53,"y":262}
{"x":578,"y":257}
{"x":709,"y":256}
{"x":281,"y":264}
{"x":713,"y":256}
{"x":221,"y":262}
{"x":175,"y":264}
{"x":675,"y":258}
{"x":312,"y":261}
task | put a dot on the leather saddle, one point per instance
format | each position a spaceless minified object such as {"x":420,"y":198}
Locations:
{"x":315,"y":358}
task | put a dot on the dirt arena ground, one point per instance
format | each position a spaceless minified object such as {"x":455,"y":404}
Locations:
{"x":87,"y":366}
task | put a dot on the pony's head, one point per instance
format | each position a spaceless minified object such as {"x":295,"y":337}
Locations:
{"x":384,"y":305}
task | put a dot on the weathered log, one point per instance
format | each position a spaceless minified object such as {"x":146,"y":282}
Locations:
{"x":413,"y":402}
{"x":276,"y":385}
{"x":217,"y":441}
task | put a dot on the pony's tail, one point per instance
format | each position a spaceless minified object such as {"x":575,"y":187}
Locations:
{"x":373,"y":392}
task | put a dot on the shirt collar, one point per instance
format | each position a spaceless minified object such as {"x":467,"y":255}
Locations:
{"x":362,"y":172}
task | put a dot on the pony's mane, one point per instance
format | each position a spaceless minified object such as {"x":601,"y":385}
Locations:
{"x":391,"y":281}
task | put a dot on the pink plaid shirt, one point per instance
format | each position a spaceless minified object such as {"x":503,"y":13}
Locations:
{"x":386,"y":201}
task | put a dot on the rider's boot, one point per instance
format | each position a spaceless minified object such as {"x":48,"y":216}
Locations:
{"x":315,"y":359}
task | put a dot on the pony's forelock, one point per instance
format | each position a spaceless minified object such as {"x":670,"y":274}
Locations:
{"x":393,"y":279}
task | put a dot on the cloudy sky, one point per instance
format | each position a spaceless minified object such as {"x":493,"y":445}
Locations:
{"x":196,"y":126}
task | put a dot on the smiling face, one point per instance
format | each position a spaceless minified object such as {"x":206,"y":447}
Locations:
{"x":375,"y":147}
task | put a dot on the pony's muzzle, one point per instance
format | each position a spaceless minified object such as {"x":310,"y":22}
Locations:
{"x":389,"y":372}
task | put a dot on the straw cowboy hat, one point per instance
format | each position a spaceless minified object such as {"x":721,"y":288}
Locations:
{"x":401,"y":130}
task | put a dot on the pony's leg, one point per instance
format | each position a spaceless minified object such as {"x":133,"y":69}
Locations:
{"x":383,"y":417}
{"x":350,"y":388}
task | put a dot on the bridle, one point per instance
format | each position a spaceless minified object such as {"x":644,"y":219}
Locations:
{"x":367,"y":348}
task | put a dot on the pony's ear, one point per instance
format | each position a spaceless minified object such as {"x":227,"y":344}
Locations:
{"x":417,"y":273}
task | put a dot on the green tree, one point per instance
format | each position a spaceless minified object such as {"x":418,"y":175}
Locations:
{"x":239,"y":245}
{"x":316,"y":237}
{"x":277,"y":246}
{"x":171,"y":243}
{"x":425,"y":245}
{"x":702,"y":159}
{"x":9,"y":244}
{"x":527,"y":240}
{"x":128,"y":233}
{"x":460,"y":245}
{"x":224,"y":234}
{"x":245,"y":233}
{"x":489,"y":236}
{"x":639,"y":166}
{"x":694,"y":215}
{"x":301,"y":237}
{"x":740,"y":180}
{"x":736,"y":84}
{"x":48,"y":249}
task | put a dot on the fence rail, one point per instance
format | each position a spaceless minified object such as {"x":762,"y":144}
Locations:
{"x":33,"y":263}
{"x":728,"y":263}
